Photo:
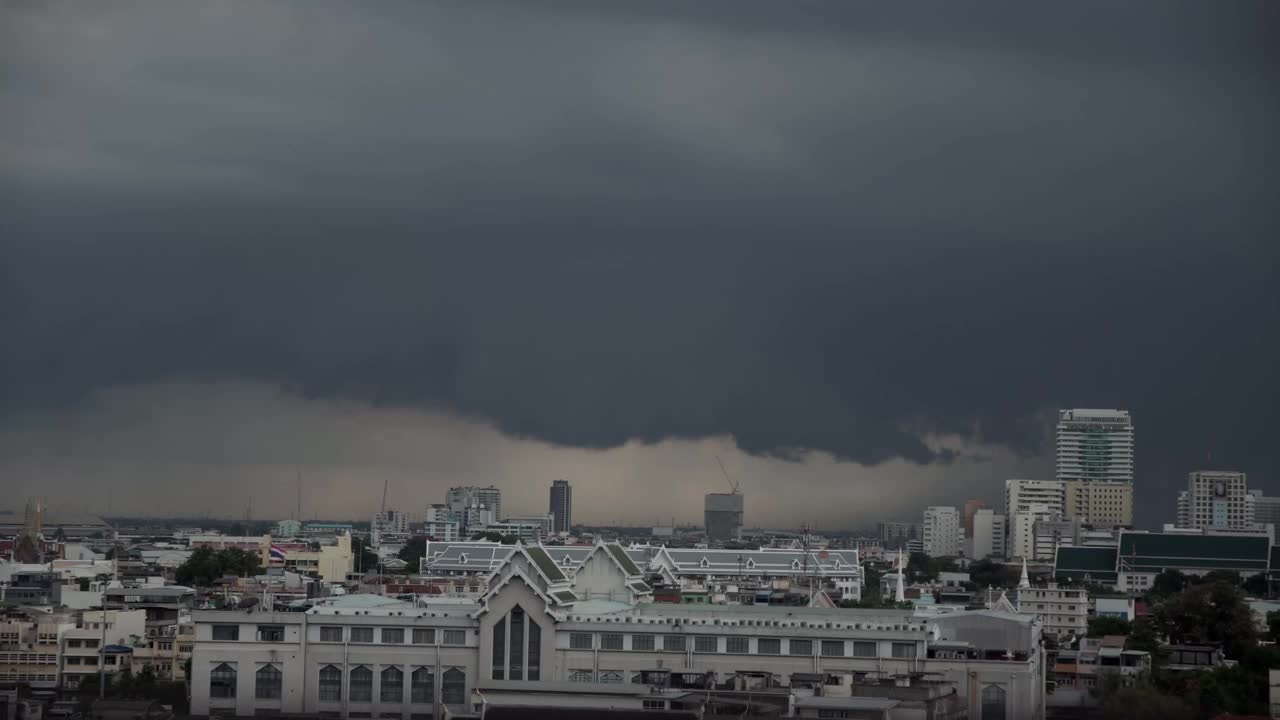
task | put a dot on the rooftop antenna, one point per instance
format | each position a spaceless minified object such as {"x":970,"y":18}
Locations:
{"x":297,"y":513}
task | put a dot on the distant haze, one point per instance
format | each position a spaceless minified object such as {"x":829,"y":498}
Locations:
{"x":862,"y":251}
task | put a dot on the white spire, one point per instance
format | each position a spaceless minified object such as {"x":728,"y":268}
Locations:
{"x":1025,"y":581}
{"x":900,"y":595}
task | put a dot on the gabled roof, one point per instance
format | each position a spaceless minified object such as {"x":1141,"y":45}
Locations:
{"x":627,"y":564}
{"x":1154,"y":552}
{"x":768,"y":562}
{"x":548,"y":567}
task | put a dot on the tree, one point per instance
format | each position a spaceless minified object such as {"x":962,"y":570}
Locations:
{"x":412,"y":553}
{"x":1105,"y":625}
{"x":1214,"y":613}
{"x":1141,"y":701}
{"x":871,"y":580}
{"x":205,"y":565}
{"x":986,"y":573}
{"x":494,"y":536}
{"x":1256,"y":585}
{"x":1167,"y":583}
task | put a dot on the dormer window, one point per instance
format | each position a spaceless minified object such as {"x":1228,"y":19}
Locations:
{"x":795,"y":564}
{"x":463,"y":558}
{"x":751,"y":564}
{"x":704,"y":563}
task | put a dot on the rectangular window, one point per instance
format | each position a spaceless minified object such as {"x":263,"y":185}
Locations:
{"x":737,"y":645}
{"x":534,"y":671}
{"x":580,"y":641}
{"x":904,"y":651}
{"x":641,"y":642}
{"x":498,"y":670}
{"x":455,"y":637}
{"x":865,"y":648}
{"x":392,"y":636}
{"x":222,"y":632}
{"x":611,"y":641}
{"x":582,"y":676}
{"x":801,"y":647}
{"x":516,"y":630}
{"x":769,"y":646}
{"x":833,"y":648}
{"x":361,"y":634}
{"x":331,"y":633}
{"x":270,"y":633}
{"x":655,"y":704}
{"x":424,"y":636}
{"x":706,"y":644}
{"x":673,"y":643}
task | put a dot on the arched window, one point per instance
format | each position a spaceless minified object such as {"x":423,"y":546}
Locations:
{"x":993,"y":703}
{"x":704,"y":563}
{"x":222,"y":681}
{"x":423,"y":688}
{"x":391,"y":685}
{"x":267,"y":683}
{"x":516,"y":623}
{"x":453,"y":687}
{"x":330,"y":684}
{"x":360,"y":688}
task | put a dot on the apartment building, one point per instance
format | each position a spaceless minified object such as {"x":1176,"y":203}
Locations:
{"x":1064,"y":611}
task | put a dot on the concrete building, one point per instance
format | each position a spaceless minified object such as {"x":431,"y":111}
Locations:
{"x":971,"y":507}
{"x":1064,"y":611}
{"x":987,"y":536}
{"x":440,"y":524}
{"x":941,"y":531}
{"x":531,"y":529}
{"x":388,"y":526}
{"x":31,"y":650}
{"x":1022,"y":531}
{"x":1099,"y":503}
{"x":896,"y":535}
{"x":83,"y":646}
{"x":723,"y":513}
{"x":561,"y":507}
{"x":533,"y":638}
{"x":326,"y":529}
{"x":474,"y":506}
{"x":1095,"y":446}
{"x":1047,"y":495}
{"x":1218,"y":499}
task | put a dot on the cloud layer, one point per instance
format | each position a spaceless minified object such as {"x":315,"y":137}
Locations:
{"x":843,"y":228}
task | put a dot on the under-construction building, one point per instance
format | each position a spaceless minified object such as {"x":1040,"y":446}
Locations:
{"x":723,"y":515}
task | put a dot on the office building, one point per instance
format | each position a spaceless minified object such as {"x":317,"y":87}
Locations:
{"x":895,"y":535}
{"x":723,"y":516}
{"x":941,"y":532}
{"x":1048,"y":495}
{"x":561,"y":506}
{"x":1095,"y":446}
{"x":987,"y":537}
{"x":441,"y":524}
{"x":1216,"y":499}
{"x":1022,"y":531}
{"x":1265,"y":509}
{"x":389,"y":526}
{"x":1102,"y":504}
{"x":475,"y":506}
{"x":586,"y":639}
{"x":287,"y":529}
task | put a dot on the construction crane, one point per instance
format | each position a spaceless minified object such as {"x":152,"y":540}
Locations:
{"x":733,"y":486}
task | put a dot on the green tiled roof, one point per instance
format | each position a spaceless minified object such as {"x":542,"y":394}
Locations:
{"x":1086,"y":560}
{"x":545,"y":563}
{"x":1275,"y":557}
{"x":621,"y":556}
{"x":565,"y":596}
{"x":1153,"y":552}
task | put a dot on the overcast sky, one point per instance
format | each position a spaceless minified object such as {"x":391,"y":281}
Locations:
{"x":861,"y":251}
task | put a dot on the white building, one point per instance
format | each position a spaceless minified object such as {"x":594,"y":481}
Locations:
{"x":31,"y":651}
{"x":533,"y":638}
{"x":988,"y":534}
{"x":529,"y":528}
{"x":941,"y":531}
{"x":1063,"y":611}
{"x":1022,"y":494}
{"x":84,"y":646}
{"x":388,"y":526}
{"x":1217,"y":499}
{"x":441,"y":524}
{"x":1095,"y":446}
{"x":1022,"y":531}
{"x":287,"y":529}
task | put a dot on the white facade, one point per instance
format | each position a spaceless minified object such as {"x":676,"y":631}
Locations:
{"x":1217,"y":499}
{"x":532,"y":635}
{"x":1022,"y":494}
{"x":82,"y":647}
{"x":941,"y":532}
{"x":1095,"y":446}
{"x":1022,"y":531}
{"x":473,"y":506}
{"x":1063,"y":611}
{"x":988,"y":534}
{"x":287,"y":529}
{"x":389,"y":525}
{"x":441,"y":524}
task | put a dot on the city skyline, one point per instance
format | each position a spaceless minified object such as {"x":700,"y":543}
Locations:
{"x":864,"y":254}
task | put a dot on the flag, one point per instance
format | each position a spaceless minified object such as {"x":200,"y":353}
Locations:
{"x":277,"y":554}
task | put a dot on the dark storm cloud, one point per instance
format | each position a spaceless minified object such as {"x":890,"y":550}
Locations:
{"x":825,"y":226}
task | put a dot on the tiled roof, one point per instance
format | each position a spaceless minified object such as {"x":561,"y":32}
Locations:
{"x":620,"y":555}
{"x":1153,"y":552}
{"x":764,"y":561}
{"x":544,"y":562}
{"x":1074,"y":563}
